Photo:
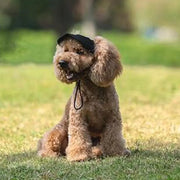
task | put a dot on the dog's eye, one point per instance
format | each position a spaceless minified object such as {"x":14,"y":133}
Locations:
{"x":65,"y":50}
{"x":80,"y":52}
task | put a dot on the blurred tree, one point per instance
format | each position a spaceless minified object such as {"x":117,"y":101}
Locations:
{"x":4,"y":19}
{"x":114,"y":14}
{"x":62,"y":14}
{"x":46,"y":14}
{"x":7,"y":37}
{"x":88,"y":21}
{"x":28,"y":14}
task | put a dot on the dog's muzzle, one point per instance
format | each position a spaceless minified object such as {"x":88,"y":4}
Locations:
{"x":70,"y":75}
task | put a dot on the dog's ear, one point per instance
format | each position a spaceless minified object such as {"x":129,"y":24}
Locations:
{"x":107,"y":63}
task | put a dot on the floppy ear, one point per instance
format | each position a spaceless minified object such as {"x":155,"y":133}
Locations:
{"x":107,"y":63}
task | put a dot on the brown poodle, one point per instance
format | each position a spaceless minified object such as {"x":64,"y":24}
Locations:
{"x":91,"y":125}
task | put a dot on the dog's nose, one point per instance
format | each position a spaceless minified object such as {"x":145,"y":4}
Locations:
{"x":63,"y":63}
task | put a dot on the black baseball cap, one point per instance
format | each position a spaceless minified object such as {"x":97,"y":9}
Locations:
{"x":86,"y":42}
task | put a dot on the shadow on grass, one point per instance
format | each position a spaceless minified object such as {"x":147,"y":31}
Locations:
{"x":27,"y":165}
{"x":143,"y":153}
{"x":156,"y":153}
{"x":28,"y":155}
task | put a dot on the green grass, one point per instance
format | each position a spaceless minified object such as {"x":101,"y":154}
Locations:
{"x":38,"y":47}
{"x":138,"y":50}
{"x":32,"y":101}
{"x":27,"y":46}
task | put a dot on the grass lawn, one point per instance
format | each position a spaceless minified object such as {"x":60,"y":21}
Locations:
{"x":32,"y":101}
{"x":38,"y":47}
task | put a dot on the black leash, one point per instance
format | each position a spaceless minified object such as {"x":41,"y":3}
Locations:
{"x":78,"y":88}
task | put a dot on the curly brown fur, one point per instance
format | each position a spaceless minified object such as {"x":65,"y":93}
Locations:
{"x":95,"y":129}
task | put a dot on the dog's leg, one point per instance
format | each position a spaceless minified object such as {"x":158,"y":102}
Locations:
{"x":79,"y":146}
{"x":112,"y":140}
{"x":53,"y":143}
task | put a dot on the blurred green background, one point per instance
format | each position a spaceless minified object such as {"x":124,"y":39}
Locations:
{"x":146,"y":32}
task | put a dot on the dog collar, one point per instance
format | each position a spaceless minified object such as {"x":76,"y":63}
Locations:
{"x":86,"y":42}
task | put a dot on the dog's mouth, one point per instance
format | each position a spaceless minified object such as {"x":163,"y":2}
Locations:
{"x":70,"y":75}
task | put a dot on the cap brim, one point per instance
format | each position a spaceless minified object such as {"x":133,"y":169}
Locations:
{"x":86,"y":42}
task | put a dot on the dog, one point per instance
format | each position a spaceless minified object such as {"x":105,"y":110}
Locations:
{"x":91,"y":126}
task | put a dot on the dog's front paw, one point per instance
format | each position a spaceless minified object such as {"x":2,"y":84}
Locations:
{"x":96,"y":151}
{"x":78,"y":157}
{"x":43,"y":153}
